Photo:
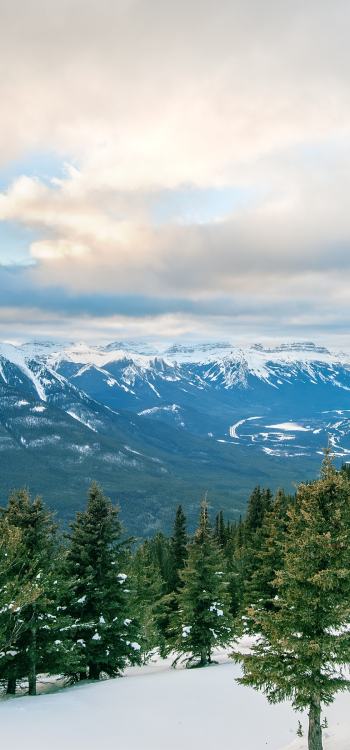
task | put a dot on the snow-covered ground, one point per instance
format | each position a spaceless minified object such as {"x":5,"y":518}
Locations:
{"x":158,"y":708}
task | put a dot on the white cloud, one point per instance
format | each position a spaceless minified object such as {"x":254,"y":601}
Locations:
{"x":141,"y":98}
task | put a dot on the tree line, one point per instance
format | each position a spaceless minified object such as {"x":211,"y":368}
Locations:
{"x":90,"y":601}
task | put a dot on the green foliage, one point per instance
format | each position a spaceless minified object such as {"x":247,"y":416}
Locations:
{"x":234,"y":554}
{"x":148,"y":590}
{"x":169,"y":557}
{"x":241,"y":545}
{"x":203,"y":619}
{"x":37,"y":628}
{"x":178,"y":551}
{"x":259,"y":503}
{"x":221,"y":531}
{"x":92,"y":606}
{"x":101,"y":601}
{"x":266,"y":558}
{"x":16,"y":591}
{"x":303,"y":638}
{"x":345,"y":468}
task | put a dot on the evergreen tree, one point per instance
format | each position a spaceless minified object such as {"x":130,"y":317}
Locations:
{"x":166,"y":607}
{"x":259,"y":504}
{"x":303,"y":640}
{"x":221,"y":531}
{"x":178,"y":551}
{"x":148,"y":589}
{"x":234,"y":557}
{"x":203,"y":619}
{"x":160,"y":552}
{"x":16,"y":591}
{"x":41,"y":626}
{"x":260,"y":588}
{"x":345,"y":468}
{"x":106,"y":631}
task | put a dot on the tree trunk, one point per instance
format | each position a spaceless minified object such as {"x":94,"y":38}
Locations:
{"x":11,"y":685}
{"x":94,"y":671}
{"x":82,"y":675}
{"x":32,"y":662}
{"x":204,"y":659}
{"x":315,"y":731}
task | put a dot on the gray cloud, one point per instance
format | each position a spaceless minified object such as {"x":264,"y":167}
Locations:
{"x":146,"y":98}
{"x":26,"y":308}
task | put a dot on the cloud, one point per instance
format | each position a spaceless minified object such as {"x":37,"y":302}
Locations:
{"x":168,"y":93}
{"x":206,"y":160}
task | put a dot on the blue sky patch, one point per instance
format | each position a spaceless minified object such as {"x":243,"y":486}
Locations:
{"x":191,"y":205}
{"x":15,"y":242}
{"x":43,"y":165}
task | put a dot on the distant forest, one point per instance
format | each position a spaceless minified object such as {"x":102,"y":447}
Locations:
{"x":87,"y":602}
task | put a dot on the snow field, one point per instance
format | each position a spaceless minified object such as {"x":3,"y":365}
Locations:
{"x":158,"y":708}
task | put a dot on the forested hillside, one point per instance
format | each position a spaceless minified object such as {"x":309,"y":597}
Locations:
{"x":91,"y":602}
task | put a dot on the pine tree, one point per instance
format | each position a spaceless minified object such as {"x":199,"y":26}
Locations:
{"x":166,"y":607}
{"x":303,"y":640}
{"x":234,"y":557}
{"x":221,"y":531}
{"x":16,"y":591}
{"x":203,"y":619}
{"x":160,"y":552}
{"x":259,"y":504}
{"x":178,"y":551}
{"x":101,"y":602}
{"x":148,"y":590}
{"x":260,"y":588}
{"x":42,"y":628}
{"x":345,"y":468}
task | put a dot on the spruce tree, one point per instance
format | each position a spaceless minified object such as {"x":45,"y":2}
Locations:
{"x":259,"y":504}
{"x":148,"y":589}
{"x":234,"y":557}
{"x":221,"y":531}
{"x":160,"y":552}
{"x":303,"y":641}
{"x":178,"y":551}
{"x":203,"y":620}
{"x":42,"y":629}
{"x":260,"y":588}
{"x":101,"y":602}
{"x":166,"y":607}
{"x":345,"y":468}
{"x":16,"y":590}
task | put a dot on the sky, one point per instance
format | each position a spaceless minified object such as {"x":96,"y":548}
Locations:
{"x":175,"y":170}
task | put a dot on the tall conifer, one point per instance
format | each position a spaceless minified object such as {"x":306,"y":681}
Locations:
{"x":148,"y":589}
{"x":101,"y":603}
{"x":303,"y":640}
{"x":178,"y":551}
{"x":40,"y":622}
{"x":203,"y":620}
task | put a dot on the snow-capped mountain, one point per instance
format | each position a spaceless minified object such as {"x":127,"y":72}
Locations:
{"x":205,"y":365}
{"x":221,"y":390}
{"x":138,"y":416}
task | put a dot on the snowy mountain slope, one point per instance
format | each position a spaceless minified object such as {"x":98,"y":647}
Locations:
{"x":206,"y":367}
{"x":157,"y":708}
{"x":255,"y":358}
{"x":55,"y":438}
{"x":215,"y":386}
{"x":161,"y":427}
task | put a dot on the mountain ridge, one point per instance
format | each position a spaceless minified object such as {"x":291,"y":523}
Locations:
{"x":167,"y":426}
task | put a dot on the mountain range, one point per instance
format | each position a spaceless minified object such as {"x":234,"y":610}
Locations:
{"x":161,"y":425}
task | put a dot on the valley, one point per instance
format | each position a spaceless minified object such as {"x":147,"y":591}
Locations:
{"x":158,"y":426}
